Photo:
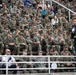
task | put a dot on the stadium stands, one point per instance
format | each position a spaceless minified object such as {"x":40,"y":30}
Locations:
{"x":35,"y":29}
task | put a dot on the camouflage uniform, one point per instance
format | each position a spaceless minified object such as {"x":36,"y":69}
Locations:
{"x":26,"y":59}
{"x":1,"y":45}
{"x":35,"y":44}
{"x":10,"y":43}
{"x":13,"y":24}
{"x":40,"y":65}
{"x":67,"y":59}
{"x":21,"y":43}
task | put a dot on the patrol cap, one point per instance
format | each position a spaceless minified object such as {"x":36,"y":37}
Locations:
{"x":25,"y":50}
{"x":26,"y":29}
{"x":20,"y":33}
{"x":66,"y":51}
{"x":65,"y":46}
{"x":40,"y":51}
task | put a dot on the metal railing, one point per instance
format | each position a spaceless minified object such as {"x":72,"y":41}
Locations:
{"x":69,"y":10}
{"x":48,"y":62}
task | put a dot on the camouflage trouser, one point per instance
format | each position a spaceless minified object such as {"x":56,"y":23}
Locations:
{"x":26,"y":65}
{"x":67,"y":66}
{"x":45,"y":49}
{"x":30,"y":48}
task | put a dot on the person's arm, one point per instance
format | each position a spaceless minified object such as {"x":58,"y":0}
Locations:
{"x":17,"y":65}
{"x":13,"y":60}
{"x":4,"y":60}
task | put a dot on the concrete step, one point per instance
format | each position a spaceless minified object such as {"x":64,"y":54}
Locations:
{"x":67,"y":73}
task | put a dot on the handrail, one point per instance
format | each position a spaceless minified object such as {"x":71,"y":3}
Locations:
{"x":69,"y":10}
{"x":41,"y":56}
{"x":33,"y":62}
{"x":64,"y":7}
{"x":40,"y":62}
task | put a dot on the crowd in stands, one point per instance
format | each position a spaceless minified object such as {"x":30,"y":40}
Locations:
{"x":27,"y":26}
{"x":71,"y":4}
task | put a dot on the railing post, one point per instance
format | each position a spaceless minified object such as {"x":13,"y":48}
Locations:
{"x":49,"y":63}
{"x":69,"y":10}
{"x":51,"y":2}
{"x":43,"y":3}
{"x":7,"y":66}
{"x":69,"y":15}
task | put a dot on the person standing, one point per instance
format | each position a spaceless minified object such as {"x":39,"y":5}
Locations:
{"x":73,"y":33}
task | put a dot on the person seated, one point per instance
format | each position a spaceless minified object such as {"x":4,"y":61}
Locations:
{"x":26,"y":59}
{"x":68,"y":64}
{"x":8,"y":58}
{"x":40,"y":65}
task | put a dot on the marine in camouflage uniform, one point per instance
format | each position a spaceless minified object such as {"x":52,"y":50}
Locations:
{"x":10,"y":43}
{"x":67,"y":59}
{"x":40,"y":65}
{"x":26,"y":59}
{"x":13,"y":24}
{"x":54,"y":51}
{"x":35,"y":42}
{"x":21,"y":43}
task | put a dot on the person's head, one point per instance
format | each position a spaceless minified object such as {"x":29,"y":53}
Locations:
{"x":65,"y":0}
{"x":55,"y":17}
{"x":26,"y":31}
{"x":60,"y":37}
{"x":55,"y":31}
{"x":20,"y":36}
{"x":74,"y":21}
{"x":54,"y":48}
{"x":40,"y":2}
{"x":40,"y":53}
{"x":44,"y":8}
{"x":17,"y":14}
{"x":60,"y":28}
{"x":59,"y":10}
{"x":9,"y":35}
{"x":42,"y":36}
{"x":4,"y":6}
{"x":15,"y":7}
{"x":24,"y":53}
{"x":52,"y":7}
{"x":65,"y":48}
{"x":13,"y":18}
{"x":8,"y":52}
{"x":62,"y":41}
{"x":8,"y":14}
{"x":66,"y":53}
{"x":51,"y":51}
{"x":64,"y":32}
{"x":59,"y":1}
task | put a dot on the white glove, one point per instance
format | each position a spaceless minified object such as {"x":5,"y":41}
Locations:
{"x":73,"y":30}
